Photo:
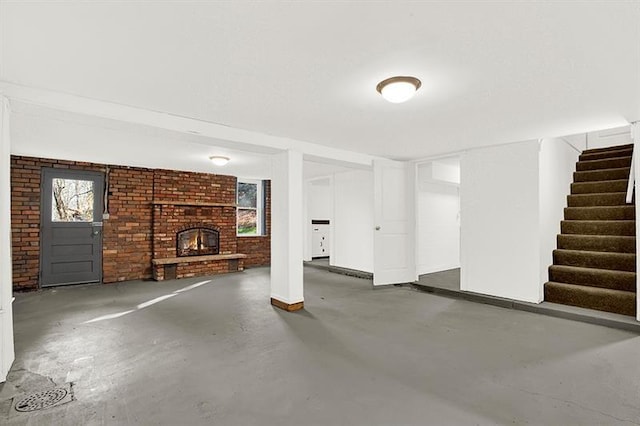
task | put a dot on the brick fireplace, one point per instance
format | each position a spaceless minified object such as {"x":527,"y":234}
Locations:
{"x":188,"y":208}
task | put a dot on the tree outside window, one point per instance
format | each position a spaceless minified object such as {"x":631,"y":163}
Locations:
{"x":72,"y":200}
{"x":250,"y":206}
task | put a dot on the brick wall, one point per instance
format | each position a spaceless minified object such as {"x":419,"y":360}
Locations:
{"x":127,"y":234}
{"x":126,"y":250}
{"x":188,"y":187}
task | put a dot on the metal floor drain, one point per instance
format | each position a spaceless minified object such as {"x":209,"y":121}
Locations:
{"x":45,"y":399}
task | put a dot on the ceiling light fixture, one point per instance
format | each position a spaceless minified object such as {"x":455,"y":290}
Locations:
{"x":398,"y":89}
{"x":219,"y":160}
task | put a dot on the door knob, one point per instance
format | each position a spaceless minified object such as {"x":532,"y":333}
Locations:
{"x":378,"y":228}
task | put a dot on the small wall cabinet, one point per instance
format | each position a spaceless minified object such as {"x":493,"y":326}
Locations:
{"x":320,"y":238}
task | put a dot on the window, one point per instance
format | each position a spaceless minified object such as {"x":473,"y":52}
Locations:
{"x":72,"y":200}
{"x":250,"y":215}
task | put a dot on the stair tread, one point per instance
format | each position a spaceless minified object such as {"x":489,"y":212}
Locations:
{"x":624,"y":237}
{"x":593,"y":182}
{"x":608,"y":148}
{"x":594,"y":175}
{"x":602,"y":299}
{"x":597,"y":193}
{"x":629,"y":237}
{"x":606,"y":154}
{"x":628,"y":206}
{"x":596,"y":253}
{"x":612,"y":169}
{"x":622,"y":157}
{"x":597,"y":199}
{"x":591,"y":289}
{"x":593,"y":277}
{"x":593,"y":270}
{"x":591,"y":187}
{"x":598,"y":221}
{"x":598,"y":227}
{"x":603,"y":163}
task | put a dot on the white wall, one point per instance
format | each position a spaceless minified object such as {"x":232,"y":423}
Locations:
{"x":500,"y":243}
{"x":352,"y":238}
{"x":6,"y":295}
{"x":609,"y":137}
{"x":438,"y":225}
{"x":578,"y":141}
{"x":557,"y":163}
{"x":319,"y":204}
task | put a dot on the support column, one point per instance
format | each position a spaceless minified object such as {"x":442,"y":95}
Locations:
{"x":287,"y":227}
{"x":7,"y":354}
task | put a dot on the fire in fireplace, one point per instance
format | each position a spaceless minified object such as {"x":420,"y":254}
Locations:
{"x":197,"y":242}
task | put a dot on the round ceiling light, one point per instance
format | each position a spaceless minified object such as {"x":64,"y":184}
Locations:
{"x":219,"y":160}
{"x":398,"y":89}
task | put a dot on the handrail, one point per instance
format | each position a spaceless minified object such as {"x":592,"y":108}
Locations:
{"x":632,"y":174}
{"x":635,"y":134}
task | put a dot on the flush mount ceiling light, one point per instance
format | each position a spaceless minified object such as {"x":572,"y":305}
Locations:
{"x":219,"y":160}
{"x":398,"y":89}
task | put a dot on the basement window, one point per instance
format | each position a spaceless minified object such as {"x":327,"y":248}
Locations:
{"x":250,"y":212}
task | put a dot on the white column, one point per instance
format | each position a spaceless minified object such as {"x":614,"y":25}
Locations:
{"x":287,"y":228}
{"x":6,"y":282}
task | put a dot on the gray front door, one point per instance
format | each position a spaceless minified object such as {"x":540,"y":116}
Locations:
{"x":71,"y":227}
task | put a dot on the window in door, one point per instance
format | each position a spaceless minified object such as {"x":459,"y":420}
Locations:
{"x":72,"y":200}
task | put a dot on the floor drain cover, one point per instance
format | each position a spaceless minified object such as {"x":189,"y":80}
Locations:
{"x":44,"y":399}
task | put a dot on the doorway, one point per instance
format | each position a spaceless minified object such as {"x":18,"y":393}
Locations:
{"x":71,"y":227}
{"x":438,"y":222}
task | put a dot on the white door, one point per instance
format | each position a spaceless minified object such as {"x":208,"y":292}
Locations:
{"x":394,"y":235}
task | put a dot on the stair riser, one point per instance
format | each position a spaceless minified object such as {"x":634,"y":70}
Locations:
{"x":599,"y":187}
{"x":585,"y":259}
{"x":583,"y":227}
{"x":606,"y":154}
{"x":608,"y":149}
{"x":589,"y":200}
{"x":597,"y":243}
{"x":600,"y":213}
{"x":609,"y":163}
{"x":600,"y":175}
{"x":624,"y":304}
{"x":614,"y":280}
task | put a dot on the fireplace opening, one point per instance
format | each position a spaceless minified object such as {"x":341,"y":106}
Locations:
{"x":197,"y":242}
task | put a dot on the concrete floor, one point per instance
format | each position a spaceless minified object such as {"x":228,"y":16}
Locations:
{"x":449,"y":279}
{"x":219,"y":354}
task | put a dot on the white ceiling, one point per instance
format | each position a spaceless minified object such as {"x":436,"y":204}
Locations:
{"x":492,"y":72}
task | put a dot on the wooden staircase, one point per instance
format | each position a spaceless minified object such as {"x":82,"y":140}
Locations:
{"x":594,"y":265}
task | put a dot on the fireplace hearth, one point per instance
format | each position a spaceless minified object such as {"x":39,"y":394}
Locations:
{"x":197,"y":242}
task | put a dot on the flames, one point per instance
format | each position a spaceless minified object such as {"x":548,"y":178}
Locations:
{"x":197,"y":241}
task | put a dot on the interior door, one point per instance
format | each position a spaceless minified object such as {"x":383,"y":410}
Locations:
{"x":71,"y":227}
{"x":394,"y":213}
